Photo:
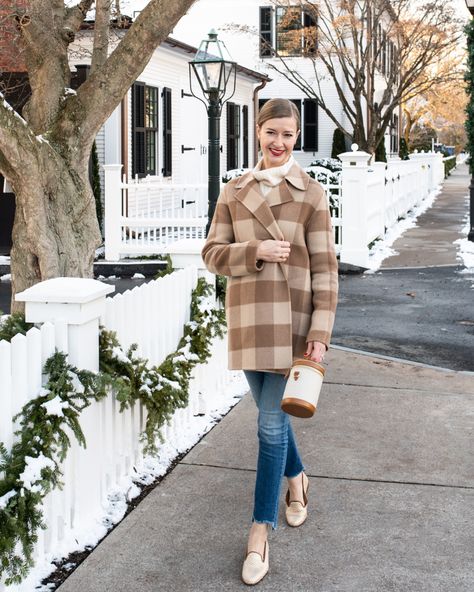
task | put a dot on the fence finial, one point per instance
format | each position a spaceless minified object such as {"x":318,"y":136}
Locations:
{"x":354,"y":147}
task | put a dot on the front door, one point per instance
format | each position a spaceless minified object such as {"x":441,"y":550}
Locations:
{"x":193,"y":138}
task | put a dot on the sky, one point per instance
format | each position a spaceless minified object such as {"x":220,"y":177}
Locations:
{"x":131,"y":5}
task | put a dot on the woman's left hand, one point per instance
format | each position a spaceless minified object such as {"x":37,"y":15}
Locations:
{"x":315,"y":351}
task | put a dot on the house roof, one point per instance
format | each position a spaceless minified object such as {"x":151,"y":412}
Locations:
{"x":126,"y":23}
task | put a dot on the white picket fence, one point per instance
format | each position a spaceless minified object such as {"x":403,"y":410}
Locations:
{"x":152,"y":316}
{"x":144,"y":216}
{"x":365,"y":202}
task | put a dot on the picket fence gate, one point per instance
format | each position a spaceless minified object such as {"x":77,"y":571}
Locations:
{"x":152,"y":316}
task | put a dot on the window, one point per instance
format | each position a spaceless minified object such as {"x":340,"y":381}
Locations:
{"x":310,"y":125}
{"x":290,"y":30}
{"x":266,"y":31}
{"x":233,"y":135}
{"x":167,"y":134}
{"x":144,"y":129}
{"x":308,"y":109}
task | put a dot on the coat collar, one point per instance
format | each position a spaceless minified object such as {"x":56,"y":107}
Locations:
{"x":296,"y":176}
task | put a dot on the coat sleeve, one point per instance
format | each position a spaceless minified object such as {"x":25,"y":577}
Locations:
{"x":221,"y":254}
{"x":324,"y":274}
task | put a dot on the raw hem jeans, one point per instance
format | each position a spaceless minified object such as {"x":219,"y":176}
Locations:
{"x":277,"y":452}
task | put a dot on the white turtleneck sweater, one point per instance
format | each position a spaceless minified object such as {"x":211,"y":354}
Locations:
{"x":269,"y":178}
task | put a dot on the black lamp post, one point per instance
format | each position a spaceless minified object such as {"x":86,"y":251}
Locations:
{"x":216,"y":73}
{"x":470,"y":236}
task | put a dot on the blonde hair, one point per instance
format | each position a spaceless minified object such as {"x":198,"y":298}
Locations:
{"x":276,"y":108}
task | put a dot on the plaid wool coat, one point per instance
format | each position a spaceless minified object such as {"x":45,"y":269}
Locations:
{"x":273,"y":309}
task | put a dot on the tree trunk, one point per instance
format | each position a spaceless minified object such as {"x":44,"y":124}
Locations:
{"x":56,"y":231}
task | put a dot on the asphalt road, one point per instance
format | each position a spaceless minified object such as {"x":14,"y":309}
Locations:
{"x":425,"y":315}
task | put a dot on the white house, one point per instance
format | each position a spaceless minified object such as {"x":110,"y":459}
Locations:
{"x":242,"y":24}
{"x":160,"y":130}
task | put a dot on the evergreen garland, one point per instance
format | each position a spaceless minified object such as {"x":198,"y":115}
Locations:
{"x":469,"y":78}
{"x":12,"y":325}
{"x":32,"y":468}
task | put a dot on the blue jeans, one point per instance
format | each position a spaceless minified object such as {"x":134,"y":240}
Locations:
{"x":277,"y":452}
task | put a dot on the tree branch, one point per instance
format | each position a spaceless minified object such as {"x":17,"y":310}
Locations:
{"x":17,"y":141}
{"x":101,"y":33}
{"x":75,"y":15}
{"x":100,"y":94}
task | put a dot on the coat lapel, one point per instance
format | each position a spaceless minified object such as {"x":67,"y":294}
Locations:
{"x":248,"y":193}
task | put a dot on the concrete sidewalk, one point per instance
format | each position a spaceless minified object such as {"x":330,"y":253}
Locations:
{"x":390,"y":459}
{"x":431,"y":242}
{"x":390,"y":456}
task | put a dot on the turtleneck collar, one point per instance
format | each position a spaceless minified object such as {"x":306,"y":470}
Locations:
{"x":274,"y":175}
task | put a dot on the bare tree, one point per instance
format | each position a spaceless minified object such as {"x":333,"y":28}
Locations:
{"x":44,"y":153}
{"x":378,"y":54}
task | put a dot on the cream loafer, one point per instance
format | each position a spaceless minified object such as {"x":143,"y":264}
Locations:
{"x":297,"y":512}
{"x":255,"y":566}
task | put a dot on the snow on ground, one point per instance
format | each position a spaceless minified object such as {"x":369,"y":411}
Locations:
{"x":217,"y":404}
{"x":381,"y":250}
{"x":466,"y":247}
{"x":5,"y":278}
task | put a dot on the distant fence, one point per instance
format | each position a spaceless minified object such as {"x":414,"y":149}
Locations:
{"x":364,"y":200}
{"x":152,"y":316}
{"x":144,"y":216}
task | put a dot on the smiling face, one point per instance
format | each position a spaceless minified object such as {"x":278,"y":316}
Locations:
{"x":277,"y":139}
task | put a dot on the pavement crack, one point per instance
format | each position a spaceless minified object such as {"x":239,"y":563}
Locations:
{"x":335,"y":478}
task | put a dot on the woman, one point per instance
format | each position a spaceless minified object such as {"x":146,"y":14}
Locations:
{"x":271,"y":235}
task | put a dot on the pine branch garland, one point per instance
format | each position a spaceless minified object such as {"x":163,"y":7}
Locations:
{"x":32,"y":468}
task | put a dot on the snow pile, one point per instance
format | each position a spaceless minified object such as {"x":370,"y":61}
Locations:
{"x":32,"y":473}
{"x":55,"y":406}
{"x":4,"y":499}
{"x":5,"y":278}
{"x":381,"y":250}
{"x":466,"y":248}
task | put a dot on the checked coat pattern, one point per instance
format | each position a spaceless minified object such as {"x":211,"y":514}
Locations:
{"x":273,"y":309}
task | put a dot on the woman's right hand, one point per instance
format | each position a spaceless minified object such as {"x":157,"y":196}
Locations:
{"x":273,"y":251}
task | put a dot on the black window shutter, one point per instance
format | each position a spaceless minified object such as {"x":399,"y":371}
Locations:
{"x":310,"y":40}
{"x":266,"y":30}
{"x":310,"y":125}
{"x":167,"y":134}
{"x":245,"y":117}
{"x":233,"y":135}
{"x":297,"y":102}
{"x":138,"y":130}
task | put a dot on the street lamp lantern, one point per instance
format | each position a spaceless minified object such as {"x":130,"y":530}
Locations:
{"x":216,"y":74}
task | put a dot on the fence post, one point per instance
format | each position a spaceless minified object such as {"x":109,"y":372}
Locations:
{"x":113,"y":211}
{"x":354,"y":249}
{"x":187,"y":252}
{"x":79,"y":302}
